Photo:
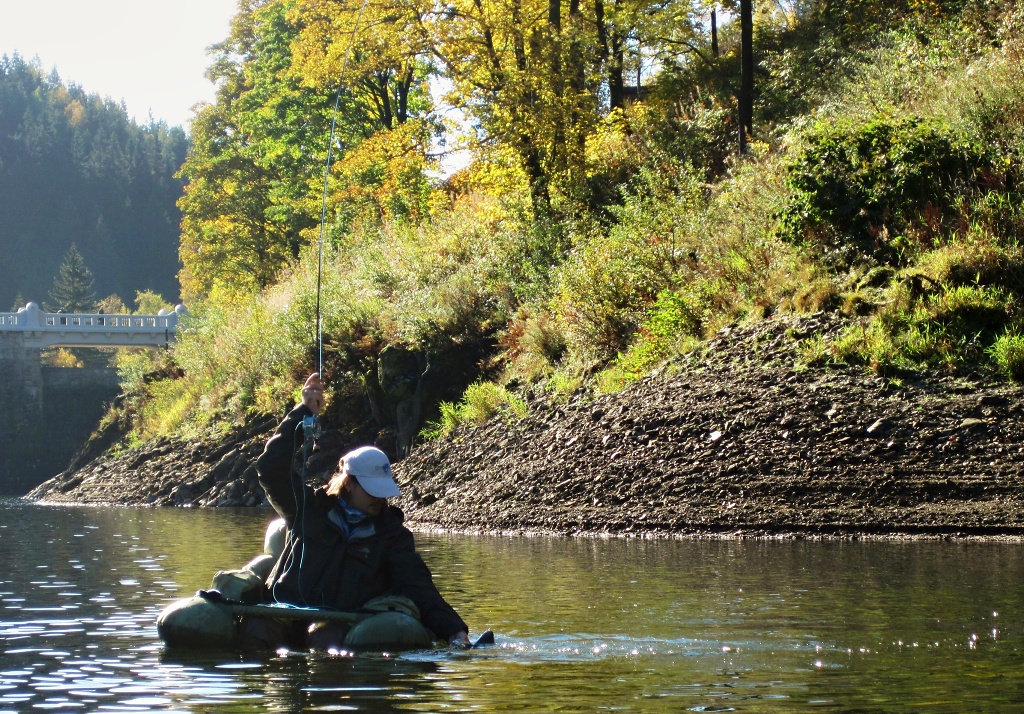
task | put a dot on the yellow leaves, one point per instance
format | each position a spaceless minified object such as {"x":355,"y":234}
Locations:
{"x":610,"y":144}
{"x":386,"y":172}
{"x":63,"y":358}
{"x":75,"y":113}
{"x":340,"y":41}
{"x":495,"y":172}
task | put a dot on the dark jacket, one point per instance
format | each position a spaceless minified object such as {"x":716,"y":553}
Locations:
{"x":319,"y":566}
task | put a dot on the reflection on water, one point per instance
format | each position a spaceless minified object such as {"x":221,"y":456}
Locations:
{"x":582,"y":625}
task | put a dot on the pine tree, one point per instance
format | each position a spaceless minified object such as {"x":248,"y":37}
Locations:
{"x":72,"y":288}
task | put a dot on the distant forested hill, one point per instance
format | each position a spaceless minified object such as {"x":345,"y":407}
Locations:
{"x":74,"y":169}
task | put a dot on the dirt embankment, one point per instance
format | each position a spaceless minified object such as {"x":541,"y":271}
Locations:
{"x":732,"y":440}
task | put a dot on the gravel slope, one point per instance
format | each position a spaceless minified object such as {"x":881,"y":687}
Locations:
{"x":736,"y":441}
{"x":733,"y":440}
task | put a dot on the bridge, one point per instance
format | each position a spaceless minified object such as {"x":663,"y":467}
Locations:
{"x":49,"y":412}
{"x":39,"y":329}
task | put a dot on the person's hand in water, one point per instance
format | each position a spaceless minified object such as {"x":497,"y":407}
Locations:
{"x":460,"y":639}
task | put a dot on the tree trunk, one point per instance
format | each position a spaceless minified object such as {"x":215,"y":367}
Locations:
{"x":381,"y":93}
{"x":540,"y":193}
{"x":558,"y":122}
{"x":577,"y":87}
{"x":402,"y":89}
{"x":518,"y":41}
{"x":555,"y":29}
{"x":746,"y":98}
{"x":714,"y":32}
{"x":616,"y":95}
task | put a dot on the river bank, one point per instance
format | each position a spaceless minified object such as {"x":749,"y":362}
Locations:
{"x":734,"y":440}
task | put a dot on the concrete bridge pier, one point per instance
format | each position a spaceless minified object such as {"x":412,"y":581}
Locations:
{"x":46,"y":413}
{"x":22,"y":374}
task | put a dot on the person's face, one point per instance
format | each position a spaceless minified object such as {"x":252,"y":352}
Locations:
{"x":358,"y":498}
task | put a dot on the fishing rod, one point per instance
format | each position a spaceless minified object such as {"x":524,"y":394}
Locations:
{"x":323,"y":203}
{"x":323,"y":230}
{"x":310,"y":425}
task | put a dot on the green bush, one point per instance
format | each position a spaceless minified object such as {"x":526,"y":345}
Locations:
{"x":877,"y":192}
{"x":1007,"y":352}
{"x":231,"y":349}
{"x":979,"y":262}
{"x":948,"y":327}
{"x":676,"y":320}
{"x":533,"y":345}
{"x":968,"y":310}
{"x":481,"y":401}
{"x":438,"y":280}
{"x":606,"y":285}
{"x":662,"y":132}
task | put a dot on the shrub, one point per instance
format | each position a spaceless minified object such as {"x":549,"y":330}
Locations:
{"x":967,"y":310}
{"x":61,"y":357}
{"x":606,"y":285}
{"x":950,"y":326}
{"x":481,"y":401}
{"x":436,"y":281}
{"x":879,"y":191}
{"x":674,"y":323}
{"x":230,"y":347}
{"x":383,"y":179}
{"x":874,"y":345}
{"x":978,"y":261}
{"x":1007,"y":352}
{"x":660,"y":132}
{"x":533,"y":344}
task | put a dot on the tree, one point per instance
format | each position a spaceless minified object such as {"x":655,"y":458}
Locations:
{"x":148,"y":302}
{"x":112,"y":305}
{"x":103,"y":179}
{"x":72,"y":288}
{"x":535,"y":77}
{"x":523,"y":70}
{"x":373,"y":51}
{"x":254,"y":162}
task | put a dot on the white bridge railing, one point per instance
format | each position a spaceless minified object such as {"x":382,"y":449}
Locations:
{"x":52,"y":329}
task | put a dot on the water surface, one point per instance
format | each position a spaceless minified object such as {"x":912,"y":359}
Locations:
{"x":581,"y":624}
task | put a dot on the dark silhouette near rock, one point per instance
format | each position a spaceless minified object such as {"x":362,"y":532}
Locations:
{"x":395,"y":391}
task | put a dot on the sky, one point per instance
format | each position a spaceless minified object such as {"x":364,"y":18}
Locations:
{"x":149,"y":53}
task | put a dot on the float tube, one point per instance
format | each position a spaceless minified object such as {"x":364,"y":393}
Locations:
{"x":210,"y":619}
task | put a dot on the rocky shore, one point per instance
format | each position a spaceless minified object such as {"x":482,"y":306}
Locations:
{"x":734,"y":440}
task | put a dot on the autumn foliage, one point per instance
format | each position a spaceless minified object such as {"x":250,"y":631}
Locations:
{"x":553,"y":191}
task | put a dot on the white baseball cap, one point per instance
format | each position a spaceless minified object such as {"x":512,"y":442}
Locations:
{"x":372,"y":470}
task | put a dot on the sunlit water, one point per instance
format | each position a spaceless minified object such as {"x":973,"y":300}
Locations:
{"x":582,"y":625}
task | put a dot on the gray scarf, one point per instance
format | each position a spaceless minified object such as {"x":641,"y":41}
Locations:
{"x":355,"y":524}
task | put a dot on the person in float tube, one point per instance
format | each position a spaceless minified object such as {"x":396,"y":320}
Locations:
{"x":345,"y":543}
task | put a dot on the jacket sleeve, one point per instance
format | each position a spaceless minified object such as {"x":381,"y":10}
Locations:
{"x":274,"y":465}
{"x":411,"y":577}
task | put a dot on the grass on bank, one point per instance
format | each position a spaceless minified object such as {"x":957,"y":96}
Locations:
{"x":480,"y":402}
